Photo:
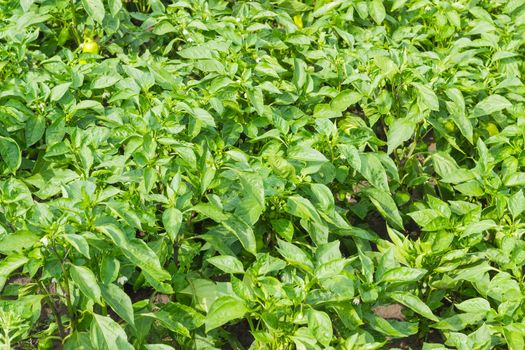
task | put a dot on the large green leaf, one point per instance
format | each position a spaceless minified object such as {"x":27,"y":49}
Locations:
{"x":386,"y":206}
{"x":10,"y":153}
{"x":106,"y":334}
{"x":119,"y":302}
{"x":10,"y":264}
{"x":413,"y":302}
{"x":491,"y":104}
{"x":137,"y":252}
{"x":228,"y":264}
{"x":172,"y":221}
{"x":224,"y":310}
{"x":86,"y":281}
{"x":95,"y":9}
{"x":400,"y":131}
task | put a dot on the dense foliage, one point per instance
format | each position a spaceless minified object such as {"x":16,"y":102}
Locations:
{"x":267,"y":175}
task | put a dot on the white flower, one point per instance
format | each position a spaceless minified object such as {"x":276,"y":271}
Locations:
{"x":106,"y":95}
{"x":45,"y":241}
{"x":258,"y":60}
{"x":428,"y":8}
{"x":122,"y":280}
{"x":238,"y":81}
{"x":54,"y":280}
{"x":356,"y":301}
{"x":356,"y":71}
{"x":237,"y":20}
{"x":190,"y":40}
{"x":185,"y":32}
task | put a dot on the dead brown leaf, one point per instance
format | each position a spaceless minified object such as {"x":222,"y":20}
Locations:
{"x":390,"y":312}
{"x":161,"y":299}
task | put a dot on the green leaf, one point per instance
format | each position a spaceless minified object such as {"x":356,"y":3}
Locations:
{"x":391,"y":327}
{"x":294,"y":255}
{"x":79,"y":243}
{"x":377,"y":11}
{"x":284,"y":228}
{"x":243,"y":232}
{"x":35,"y":128}
{"x":400,"y":131}
{"x":137,"y":252}
{"x":119,"y":302}
{"x":446,"y":167}
{"x":344,"y":99}
{"x":427,"y":96}
{"x":470,"y":188}
{"x":158,"y":347}
{"x":514,"y":337}
{"x":299,"y":74}
{"x":456,"y":108}
{"x":86,"y":281}
{"x":330,"y":269}
{"x":172,"y":221}
{"x":211,"y":211}
{"x":255,"y":95}
{"x":109,"y":269}
{"x":26,"y":4}
{"x":58,"y":91}
{"x":169,"y":321}
{"x":196,"y":52}
{"x":397,"y":4}
{"x":326,"y":8}
{"x":373,"y":171}
{"x":491,"y":104}
{"x":403,"y":274}
{"x":10,"y":153}
{"x":10,"y":264}
{"x":321,"y":326}
{"x":224,"y":310}
{"x":386,"y":206}
{"x":325,"y":111}
{"x":303,"y":208}
{"x":95,"y":9}
{"x":105,"y":81}
{"x":204,"y":116}
{"x":515,"y":179}
{"x":479,"y":227}
{"x":252,"y":203}
{"x":106,"y":334}
{"x":114,"y":6}
{"x":414,"y":303}
{"x":226,"y":263}
{"x":474,"y":305}
{"x":78,"y":341}
{"x":517,"y":204}
{"x":458,"y":322}
{"x":16,"y":242}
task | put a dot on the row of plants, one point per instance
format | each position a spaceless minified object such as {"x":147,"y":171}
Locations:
{"x":262,"y":175}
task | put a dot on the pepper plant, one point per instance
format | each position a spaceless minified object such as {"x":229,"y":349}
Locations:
{"x":213,"y":174}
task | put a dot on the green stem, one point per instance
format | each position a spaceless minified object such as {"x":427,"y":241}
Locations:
{"x":53,"y":309}
{"x":74,"y":22}
{"x":69,"y":305}
{"x":250,"y":323}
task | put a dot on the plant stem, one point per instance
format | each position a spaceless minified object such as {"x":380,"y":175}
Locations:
{"x":53,"y":309}
{"x":74,"y":22}
{"x":70,"y":308}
